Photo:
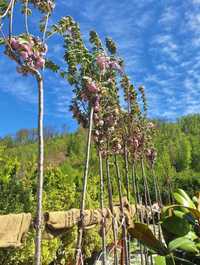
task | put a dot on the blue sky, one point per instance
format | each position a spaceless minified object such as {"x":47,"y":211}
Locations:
{"x":159,"y":40}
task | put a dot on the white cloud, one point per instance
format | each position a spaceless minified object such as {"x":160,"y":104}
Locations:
{"x":196,"y":2}
{"x":167,"y":45}
{"x":23,"y":88}
{"x":168,"y":16}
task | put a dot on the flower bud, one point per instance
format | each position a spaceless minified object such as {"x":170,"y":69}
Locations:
{"x":92,"y":87}
{"x":101,"y":122}
{"x":24,"y":55}
{"x":14,"y":44}
{"x":40,"y":63}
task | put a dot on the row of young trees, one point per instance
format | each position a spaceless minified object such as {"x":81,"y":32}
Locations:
{"x":119,"y":134}
{"x":96,"y":76}
{"x":122,"y":136}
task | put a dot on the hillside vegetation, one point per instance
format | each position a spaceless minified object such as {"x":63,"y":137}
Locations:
{"x":178,"y":146}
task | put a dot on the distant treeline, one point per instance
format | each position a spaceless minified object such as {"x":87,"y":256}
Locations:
{"x":25,"y":136}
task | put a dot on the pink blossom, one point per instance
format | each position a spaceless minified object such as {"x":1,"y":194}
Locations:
{"x":101,"y":122}
{"x":148,"y":152}
{"x":14,"y":44}
{"x":29,"y":50}
{"x":119,"y":146}
{"x":96,"y":117}
{"x":36,"y":54}
{"x":96,"y":139}
{"x":40,"y":63}
{"x":115,"y":65}
{"x":24,"y":55}
{"x":92,"y":87}
{"x":150,"y":125}
{"x":24,"y":47}
{"x":102,"y":62}
{"x":97,"y":132}
{"x":96,"y":107}
{"x":136,"y":143}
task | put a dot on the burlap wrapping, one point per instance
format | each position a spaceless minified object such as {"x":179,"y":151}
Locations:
{"x":13,"y":229}
{"x":57,"y":223}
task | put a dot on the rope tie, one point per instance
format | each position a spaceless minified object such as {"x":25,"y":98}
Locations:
{"x":80,"y":255}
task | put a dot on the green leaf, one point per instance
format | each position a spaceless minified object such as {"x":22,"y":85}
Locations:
{"x":198,"y":245}
{"x":187,"y":198}
{"x":145,"y":236}
{"x":194,"y":212}
{"x":170,"y":260}
{"x":176,"y":225}
{"x":2,"y":41}
{"x":24,"y":10}
{"x":160,"y":260}
{"x":52,"y":66}
{"x":23,"y":40}
{"x":183,"y":243}
{"x":179,"y":213}
{"x":180,"y":199}
{"x":191,"y":235}
{"x":3,"y":6}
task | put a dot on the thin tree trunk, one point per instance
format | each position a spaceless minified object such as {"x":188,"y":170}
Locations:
{"x":126,"y":173}
{"x":135,"y":188}
{"x":114,"y":228}
{"x":85,"y":178}
{"x":158,"y":200}
{"x":148,"y":200}
{"x":40,"y":169}
{"x":124,"y":230}
{"x":127,"y":190}
{"x":137,"y":202}
{"x":102,"y":206}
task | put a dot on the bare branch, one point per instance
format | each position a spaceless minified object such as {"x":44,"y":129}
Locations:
{"x":11,"y":19}
{"x":45,"y":28}
{"x":26,"y":17}
{"x":7,"y":10}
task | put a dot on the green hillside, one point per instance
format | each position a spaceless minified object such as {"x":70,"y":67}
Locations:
{"x":178,"y":146}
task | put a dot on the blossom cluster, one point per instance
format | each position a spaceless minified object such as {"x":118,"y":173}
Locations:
{"x":105,"y":129}
{"x":45,"y":6}
{"x":106,"y":63}
{"x":151,"y":155}
{"x":28,"y":51}
{"x":89,"y":94}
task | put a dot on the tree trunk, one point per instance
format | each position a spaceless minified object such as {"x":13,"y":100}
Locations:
{"x":40,"y":169}
{"x":124,"y":230}
{"x":85,"y":178}
{"x":102,"y":206}
{"x":110,"y":197}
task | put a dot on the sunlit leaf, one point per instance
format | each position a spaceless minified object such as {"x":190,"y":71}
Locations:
{"x":187,"y":198}
{"x":183,"y":243}
{"x":160,"y":260}
{"x":144,"y":235}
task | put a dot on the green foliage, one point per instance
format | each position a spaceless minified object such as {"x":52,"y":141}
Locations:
{"x":180,"y":232}
{"x":3,"y":6}
{"x":64,"y":156}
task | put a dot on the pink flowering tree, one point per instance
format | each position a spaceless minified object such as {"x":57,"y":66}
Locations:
{"x":97,"y":75}
{"x":29,"y":53}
